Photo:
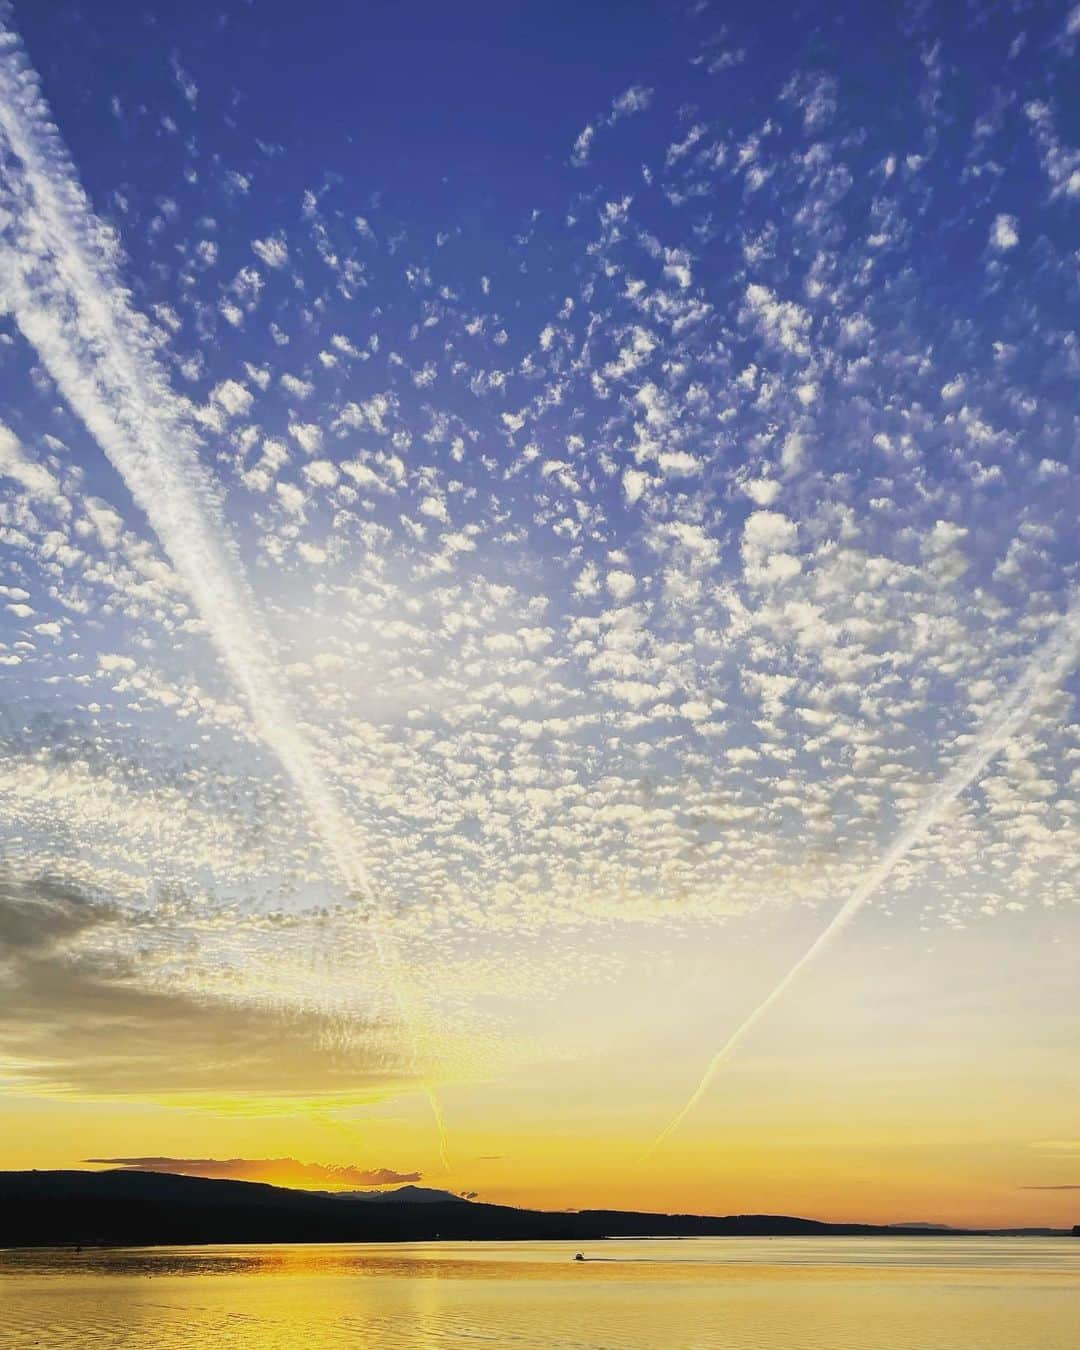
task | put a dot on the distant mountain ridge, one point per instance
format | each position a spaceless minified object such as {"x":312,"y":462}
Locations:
{"x":130,"y":1208}
{"x":402,"y":1195}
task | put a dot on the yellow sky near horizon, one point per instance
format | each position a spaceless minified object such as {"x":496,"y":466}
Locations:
{"x":491,"y":623}
{"x":851,"y":1102}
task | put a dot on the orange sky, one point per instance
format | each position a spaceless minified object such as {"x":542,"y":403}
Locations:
{"x":854,"y":1101}
{"x":456,"y":679}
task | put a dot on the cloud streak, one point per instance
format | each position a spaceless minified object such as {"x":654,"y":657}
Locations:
{"x":59,"y":280}
{"x":1042,"y":674}
{"x":633,"y":100}
{"x":277,"y":1171}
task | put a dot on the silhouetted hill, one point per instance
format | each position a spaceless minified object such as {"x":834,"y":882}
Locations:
{"x":403,"y":1195}
{"x":158,"y":1208}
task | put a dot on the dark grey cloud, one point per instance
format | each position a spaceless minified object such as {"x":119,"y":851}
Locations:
{"x":39,"y":916}
{"x":76,"y":1016}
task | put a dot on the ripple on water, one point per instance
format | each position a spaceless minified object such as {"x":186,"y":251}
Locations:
{"x":813,"y":1294}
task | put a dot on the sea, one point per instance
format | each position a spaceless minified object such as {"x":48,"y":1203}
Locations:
{"x":784,"y":1293}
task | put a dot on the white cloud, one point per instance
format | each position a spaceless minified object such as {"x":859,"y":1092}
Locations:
{"x":634,"y":483}
{"x":14,"y":464}
{"x":767,"y":540}
{"x":633,"y":100}
{"x":273,"y":251}
{"x":298,"y":388}
{"x":234,"y":397}
{"x":321,"y":473}
{"x":1004,"y":233}
{"x":621,"y":584}
{"x":761,"y":491}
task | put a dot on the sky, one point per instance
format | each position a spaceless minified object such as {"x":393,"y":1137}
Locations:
{"x":518,"y":525}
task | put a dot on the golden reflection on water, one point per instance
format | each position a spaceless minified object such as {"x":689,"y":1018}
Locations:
{"x":746,"y":1294}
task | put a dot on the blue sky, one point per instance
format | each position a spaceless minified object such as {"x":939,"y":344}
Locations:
{"x":548,"y":479}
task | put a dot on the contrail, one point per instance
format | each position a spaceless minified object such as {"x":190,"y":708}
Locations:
{"x":1043,"y":672}
{"x":440,"y":1125}
{"x":59,"y":278}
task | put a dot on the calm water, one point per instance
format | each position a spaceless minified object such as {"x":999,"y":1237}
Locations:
{"x":742,"y":1293}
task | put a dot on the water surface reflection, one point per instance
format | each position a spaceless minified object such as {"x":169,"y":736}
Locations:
{"x":755,"y":1294}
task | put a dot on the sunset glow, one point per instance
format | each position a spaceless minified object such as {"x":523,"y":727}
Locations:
{"x":539,"y":610}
